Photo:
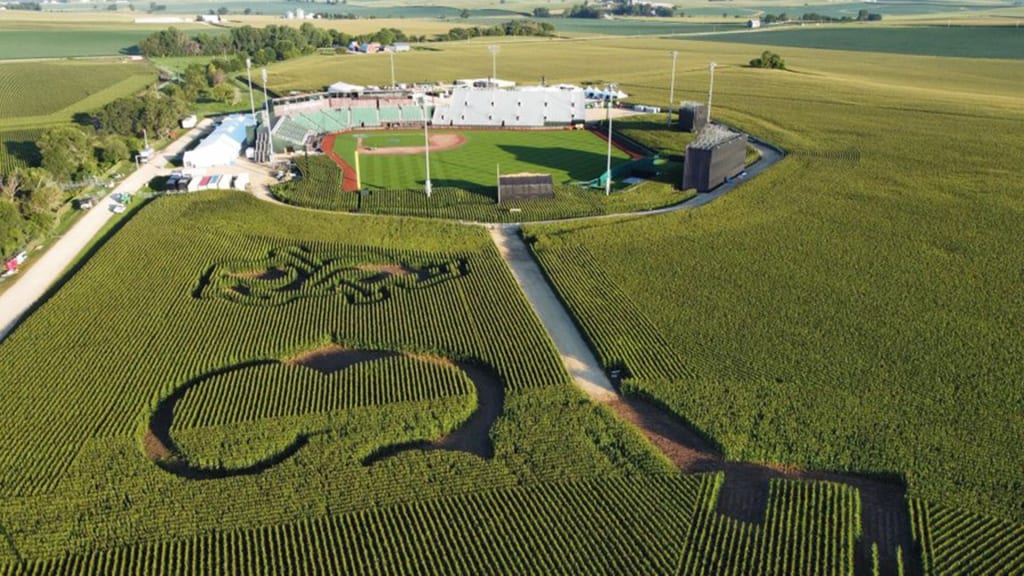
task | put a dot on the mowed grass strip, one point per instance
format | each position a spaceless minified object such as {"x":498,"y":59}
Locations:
{"x":569,"y":156}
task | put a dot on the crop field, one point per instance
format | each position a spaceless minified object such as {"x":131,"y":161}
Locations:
{"x":1001,"y":42}
{"x":355,"y":348}
{"x":570,"y":156}
{"x":40,"y":93}
{"x":321,"y":188}
{"x":851,"y":309}
{"x":17,"y":44}
{"x":18,"y":149}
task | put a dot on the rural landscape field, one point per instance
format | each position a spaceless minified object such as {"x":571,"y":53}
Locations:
{"x":814,"y":369}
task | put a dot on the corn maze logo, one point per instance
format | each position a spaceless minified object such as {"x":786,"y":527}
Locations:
{"x":297,"y":272}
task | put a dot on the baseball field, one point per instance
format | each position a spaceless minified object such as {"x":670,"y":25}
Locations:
{"x":470,"y":159}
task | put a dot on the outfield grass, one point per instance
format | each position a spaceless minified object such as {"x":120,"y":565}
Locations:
{"x":569,"y":156}
{"x":1001,"y":42}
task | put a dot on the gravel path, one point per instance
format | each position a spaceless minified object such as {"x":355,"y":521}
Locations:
{"x":30,"y":286}
{"x":581,"y":363}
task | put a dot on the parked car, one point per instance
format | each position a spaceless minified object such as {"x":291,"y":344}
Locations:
{"x":84,"y":203}
{"x":117,"y":208}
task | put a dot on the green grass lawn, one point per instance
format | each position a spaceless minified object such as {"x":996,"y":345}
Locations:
{"x":569,"y":156}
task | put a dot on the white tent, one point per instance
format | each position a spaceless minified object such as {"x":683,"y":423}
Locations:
{"x":222,"y":146}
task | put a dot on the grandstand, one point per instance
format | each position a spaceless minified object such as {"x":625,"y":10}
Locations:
{"x":530,"y":107}
{"x":300,"y":117}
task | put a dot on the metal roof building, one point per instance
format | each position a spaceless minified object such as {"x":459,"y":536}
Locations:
{"x":223,"y":146}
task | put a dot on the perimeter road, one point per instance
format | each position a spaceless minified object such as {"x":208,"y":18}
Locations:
{"x":30,"y":286}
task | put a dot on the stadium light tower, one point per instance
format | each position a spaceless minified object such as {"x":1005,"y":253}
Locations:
{"x":266,"y":98}
{"x":672,"y":88}
{"x":711,"y":89}
{"x":248,"y":73}
{"x":494,"y":49}
{"x":610,"y":95}
{"x":426,"y":143}
{"x":391,"y":55}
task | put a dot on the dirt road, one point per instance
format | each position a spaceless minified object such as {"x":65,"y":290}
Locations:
{"x":34,"y":282}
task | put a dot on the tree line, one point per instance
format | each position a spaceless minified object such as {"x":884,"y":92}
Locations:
{"x":274,"y":43}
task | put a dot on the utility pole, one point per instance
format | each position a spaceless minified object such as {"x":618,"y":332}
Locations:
{"x":672,"y":88}
{"x":711,"y":88}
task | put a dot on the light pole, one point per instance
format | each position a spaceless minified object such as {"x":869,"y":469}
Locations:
{"x":711,"y":89}
{"x":672,"y":88}
{"x":248,"y":73}
{"x":493,"y":49}
{"x":426,"y":143}
{"x":266,"y":98}
{"x":608,"y":173}
{"x":391,"y":55}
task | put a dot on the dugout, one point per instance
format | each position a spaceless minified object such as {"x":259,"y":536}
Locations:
{"x":525,"y":187}
{"x":715,"y":156}
{"x":693,"y":116}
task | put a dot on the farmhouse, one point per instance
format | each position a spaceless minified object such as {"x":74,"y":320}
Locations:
{"x":223,"y":145}
{"x":754,"y":23}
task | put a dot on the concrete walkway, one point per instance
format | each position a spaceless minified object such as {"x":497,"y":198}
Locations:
{"x":30,"y":285}
{"x":581,"y":363}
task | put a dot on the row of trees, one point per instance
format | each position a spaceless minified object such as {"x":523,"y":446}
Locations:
{"x":510,"y":28}
{"x":587,"y":10}
{"x":862,"y":16}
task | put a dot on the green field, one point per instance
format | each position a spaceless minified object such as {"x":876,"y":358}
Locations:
{"x":850,"y":309}
{"x":1006,"y":42}
{"x":569,"y":156}
{"x":40,"y":93}
{"x":16,"y":44}
{"x":222,"y":385}
{"x":18,"y":149}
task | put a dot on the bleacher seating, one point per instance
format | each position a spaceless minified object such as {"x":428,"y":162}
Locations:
{"x":390,"y":114}
{"x":338,"y":119}
{"x":364,"y":117}
{"x":288,"y":133}
{"x":412,"y":114}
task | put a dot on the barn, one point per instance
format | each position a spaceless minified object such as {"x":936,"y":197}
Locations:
{"x":222,"y":146}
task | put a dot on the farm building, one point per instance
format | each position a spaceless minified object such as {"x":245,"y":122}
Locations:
{"x":536,"y":106}
{"x":223,"y":145}
{"x":714,"y":157}
{"x":524,"y":187}
{"x":692,"y":117}
{"x":754,"y":23}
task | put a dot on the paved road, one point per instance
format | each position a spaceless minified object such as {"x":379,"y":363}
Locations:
{"x":584,"y":368}
{"x":37,"y":279}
